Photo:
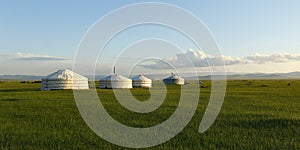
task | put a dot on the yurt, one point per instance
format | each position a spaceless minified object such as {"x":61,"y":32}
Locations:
{"x":64,"y":79}
{"x":174,"y":79}
{"x":141,"y":81}
{"x":115,"y":81}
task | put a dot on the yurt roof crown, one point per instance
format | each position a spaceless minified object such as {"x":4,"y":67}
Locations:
{"x":141,"y":78}
{"x":64,"y":74}
{"x":115,"y":77}
{"x":173,"y":76}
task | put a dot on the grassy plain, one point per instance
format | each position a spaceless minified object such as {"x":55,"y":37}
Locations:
{"x":256,"y":114}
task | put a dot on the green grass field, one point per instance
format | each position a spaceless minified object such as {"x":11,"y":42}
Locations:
{"x":256,"y":114}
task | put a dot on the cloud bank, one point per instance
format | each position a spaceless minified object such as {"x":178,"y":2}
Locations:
{"x":200,"y":59}
{"x":36,"y":57}
{"x":28,"y":63}
{"x":31,"y":57}
{"x":275,"y":58}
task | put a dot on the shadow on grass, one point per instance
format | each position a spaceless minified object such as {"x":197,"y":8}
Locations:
{"x":10,"y":99}
{"x":267,"y":124}
{"x":19,"y":90}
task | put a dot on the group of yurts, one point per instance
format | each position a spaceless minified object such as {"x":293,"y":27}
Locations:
{"x":67,"y":79}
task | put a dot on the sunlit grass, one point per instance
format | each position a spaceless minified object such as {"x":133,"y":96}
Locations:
{"x":257,"y":114}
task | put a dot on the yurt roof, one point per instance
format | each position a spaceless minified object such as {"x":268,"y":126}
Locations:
{"x":174,"y":76}
{"x":140,"y":78}
{"x":116,"y":77}
{"x":65,"y":74}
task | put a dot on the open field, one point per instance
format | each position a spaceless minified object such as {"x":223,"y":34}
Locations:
{"x":256,"y":114}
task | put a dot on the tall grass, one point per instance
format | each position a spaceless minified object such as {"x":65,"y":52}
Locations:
{"x":257,"y":114}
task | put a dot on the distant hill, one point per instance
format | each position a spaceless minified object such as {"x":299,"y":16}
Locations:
{"x":20,"y":77}
{"x":291,"y":75}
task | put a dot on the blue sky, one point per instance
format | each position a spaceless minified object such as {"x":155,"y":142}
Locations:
{"x":55,"y":28}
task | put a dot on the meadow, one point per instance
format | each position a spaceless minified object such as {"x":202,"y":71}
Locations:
{"x":256,"y":114}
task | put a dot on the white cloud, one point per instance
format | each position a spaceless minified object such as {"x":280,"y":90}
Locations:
{"x":275,"y":58}
{"x":196,"y":58}
{"x":37,"y":57}
{"x":157,"y":65}
{"x":28,"y":63}
{"x":200,"y":59}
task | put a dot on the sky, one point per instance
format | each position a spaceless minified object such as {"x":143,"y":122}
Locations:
{"x":39,"y":37}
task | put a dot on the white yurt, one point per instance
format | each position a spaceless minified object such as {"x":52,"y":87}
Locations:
{"x":141,"y":81}
{"x":64,"y":79}
{"x":174,"y":79}
{"x":115,"y":81}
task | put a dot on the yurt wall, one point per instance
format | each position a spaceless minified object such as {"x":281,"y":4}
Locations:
{"x":115,"y":81}
{"x":64,"y":79}
{"x":141,"y":81}
{"x":174,"y":79}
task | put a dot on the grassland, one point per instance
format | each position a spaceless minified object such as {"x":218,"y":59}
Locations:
{"x":257,"y":114}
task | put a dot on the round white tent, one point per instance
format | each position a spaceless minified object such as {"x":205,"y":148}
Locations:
{"x":64,"y":79}
{"x":116,"y":81}
{"x":141,"y":81}
{"x":174,"y":79}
